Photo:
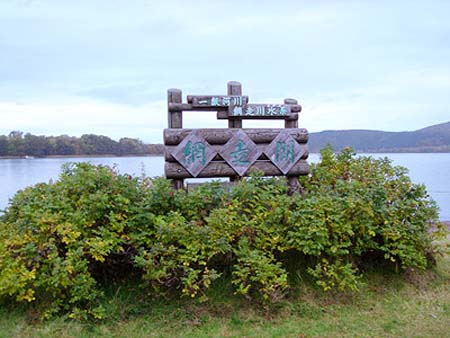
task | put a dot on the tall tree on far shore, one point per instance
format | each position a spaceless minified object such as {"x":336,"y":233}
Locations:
{"x":16,"y":146}
{"x":4,"y":145}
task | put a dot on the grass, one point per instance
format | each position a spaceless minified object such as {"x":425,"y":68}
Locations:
{"x":415,"y":304}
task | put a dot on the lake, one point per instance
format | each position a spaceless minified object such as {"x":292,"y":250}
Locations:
{"x":433,"y":170}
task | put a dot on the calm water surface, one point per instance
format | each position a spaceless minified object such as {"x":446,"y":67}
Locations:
{"x":433,"y":170}
{"x":16,"y":174}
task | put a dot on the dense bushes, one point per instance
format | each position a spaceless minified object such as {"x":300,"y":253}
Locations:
{"x":61,"y":241}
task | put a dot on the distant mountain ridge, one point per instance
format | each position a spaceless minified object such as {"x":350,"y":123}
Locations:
{"x":434,"y":138}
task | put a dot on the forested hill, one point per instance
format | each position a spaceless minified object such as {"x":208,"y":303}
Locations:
{"x":435,"y":138}
{"x":19,"y":144}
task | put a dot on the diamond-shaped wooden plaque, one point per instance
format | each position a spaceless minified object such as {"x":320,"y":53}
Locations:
{"x":284,"y":151}
{"x":194,"y":153}
{"x":240,"y":152}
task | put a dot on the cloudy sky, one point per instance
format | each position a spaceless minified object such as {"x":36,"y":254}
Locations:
{"x":104,"y":66}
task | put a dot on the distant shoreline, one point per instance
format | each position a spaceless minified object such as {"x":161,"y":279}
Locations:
{"x":162,"y":154}
{"x":76,"y":156}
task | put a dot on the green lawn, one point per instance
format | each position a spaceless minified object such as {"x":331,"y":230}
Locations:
{"x":416,"y":304}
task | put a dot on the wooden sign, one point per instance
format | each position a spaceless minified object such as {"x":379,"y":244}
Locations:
{"x":198,"y":101}
{"x":234,"y":152}
{"x":218,"y":148}
{"x":194,"y":153}
{"x":260,"y":110}
{"x":284,"y":151}
{"x":174,"y":136}
{"x":240,"y":152}
{"x":222,"y":169}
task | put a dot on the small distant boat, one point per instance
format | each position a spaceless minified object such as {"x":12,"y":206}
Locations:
{"x":27,"y":157}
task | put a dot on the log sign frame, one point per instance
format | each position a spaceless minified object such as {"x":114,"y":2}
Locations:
{"x":234,"y":152}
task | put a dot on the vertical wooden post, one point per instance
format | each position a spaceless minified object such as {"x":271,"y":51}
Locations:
{"x":293,"y":181}
{"x":175,"y":117}
{"x":234,"y":88}
{"x":290,"y":123}
{"x":175,"y":121}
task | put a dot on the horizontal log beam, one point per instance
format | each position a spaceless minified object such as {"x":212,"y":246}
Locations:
{"x":217,"y":100}
{"x":223,"y":109}
{"x":169,"y":149}
{"x":223,"y":115}
{"x":265,"y":109}
{"x":192,"y":98}
{"x":189,"y":107}
{"x":222,"y":169}
{"x":213,"y":136}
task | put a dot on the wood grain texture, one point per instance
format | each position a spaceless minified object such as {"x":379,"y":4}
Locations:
{"x":175,"y":120}
{"x":259,"y":111}
{"x":224,"y":115}
{"x":172,"y":106}
{"x":291,"y":123}
{"x":194,"y":153}
{"x":234,"y":88}
{"x":177,"y":184}
{"x":284,"y":151}
{"x":221,"y":136}
{"x":200,"y":101}
{"x":217,"y":148}
{"x":293,"y":102}
{"x":190,"y":107}
{"x":222,"y":169}
{"x":240,"y":152}
{"x":234,"y":152}
{"x":293,"y":181}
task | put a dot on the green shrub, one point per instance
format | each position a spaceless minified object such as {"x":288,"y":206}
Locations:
{"x":62,"y":241}
{"x":55,"y":234}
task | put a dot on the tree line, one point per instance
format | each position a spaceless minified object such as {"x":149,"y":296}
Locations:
{"x":19,"y":144}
